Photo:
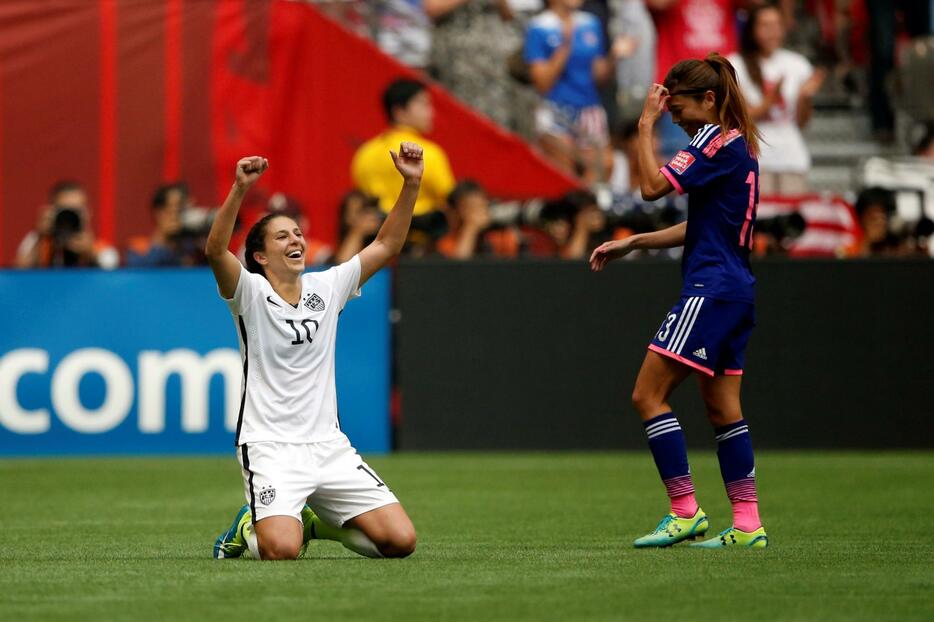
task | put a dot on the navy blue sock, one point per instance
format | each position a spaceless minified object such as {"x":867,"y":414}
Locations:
{"x":737,"y":464}
{"x":666,"y":440}
{"x":738,"y":468}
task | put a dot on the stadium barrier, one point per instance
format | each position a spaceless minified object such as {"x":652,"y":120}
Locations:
{"x":544,"y":355}
{"x":147,"y":362}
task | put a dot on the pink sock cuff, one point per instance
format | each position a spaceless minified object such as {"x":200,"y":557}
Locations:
{"x":681,"y":485}
{"x":742,"y":490}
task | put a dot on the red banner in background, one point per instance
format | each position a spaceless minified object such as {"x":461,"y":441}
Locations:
{"x":125,"y":96}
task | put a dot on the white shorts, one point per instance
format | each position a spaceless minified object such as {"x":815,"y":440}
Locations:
{"x":279,"y":478}
{"x":587,"y":127}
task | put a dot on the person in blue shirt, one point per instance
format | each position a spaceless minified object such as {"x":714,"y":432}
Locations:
{"x":707,"y":330}
{"x":567,"y":56}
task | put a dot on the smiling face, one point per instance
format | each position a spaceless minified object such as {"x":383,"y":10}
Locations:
{"x":284,"y":249}
{"x":691,"y":112}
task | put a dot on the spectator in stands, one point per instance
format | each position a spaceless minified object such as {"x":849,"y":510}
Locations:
{"x":525,"y":10}
{"x":624,"y":178}
{"x":404,"y":31}
{"x":360,"y":221}
{"x":779,"y":86}
{"x":164,"y":248}
{"x":63,"y":237}
{"x":567,"y":54}
{"x":471,"y":45}
{"x":633,"y":34}
{"x":883,"y":31}
{"x":874,"y":209}
{"x":410,"y":114}
{"x":575,"y":224}
{"x":469,"y":232}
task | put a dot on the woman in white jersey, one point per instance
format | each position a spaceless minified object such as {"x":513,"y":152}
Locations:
{"x":289,"y":442}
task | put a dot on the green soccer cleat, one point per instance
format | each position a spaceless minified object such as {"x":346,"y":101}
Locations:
{"x":308,"y":529}
{"x":232,"y":543}
{"x":672,"y":529}
{"x":734,"y":537}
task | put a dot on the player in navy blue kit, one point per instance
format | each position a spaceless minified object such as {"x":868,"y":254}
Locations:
{"x":706,"y":332}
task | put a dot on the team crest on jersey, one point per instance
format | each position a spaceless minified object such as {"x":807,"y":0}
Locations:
{"x":267,"y":495}
{"x":314,"y":303}
{"x":681,"y":162}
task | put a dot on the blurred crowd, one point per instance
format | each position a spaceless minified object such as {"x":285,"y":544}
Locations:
{"x":569,"y":76}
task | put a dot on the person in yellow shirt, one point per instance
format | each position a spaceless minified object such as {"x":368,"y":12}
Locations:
{"x":410,"y":113}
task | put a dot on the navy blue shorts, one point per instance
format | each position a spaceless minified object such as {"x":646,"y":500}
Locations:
{"x":706,"y":334}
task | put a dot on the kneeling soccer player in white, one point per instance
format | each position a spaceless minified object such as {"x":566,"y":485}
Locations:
{"x":301,"y":477}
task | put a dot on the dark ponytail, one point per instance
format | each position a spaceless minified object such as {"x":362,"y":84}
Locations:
{"x":256,"y":242}
{"x":715,"y":73}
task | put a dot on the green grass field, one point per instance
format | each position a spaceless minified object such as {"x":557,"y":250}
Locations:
{"x":501,"y":537}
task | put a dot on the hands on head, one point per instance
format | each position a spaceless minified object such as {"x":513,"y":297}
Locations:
{"x":655,"y":103}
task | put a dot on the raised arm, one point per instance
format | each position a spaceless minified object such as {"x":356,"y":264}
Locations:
{"x":395,"y":229}
{"x":652,"y":183}
{"x":225,"y":265}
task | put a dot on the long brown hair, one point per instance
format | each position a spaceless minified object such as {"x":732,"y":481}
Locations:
{"x":749,"y":49}
{"x":256,"y":242}
{"x":715,"y":73}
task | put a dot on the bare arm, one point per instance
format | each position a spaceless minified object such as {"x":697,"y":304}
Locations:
{"x":806,"y":96}
{"x":652,"y":183}
{"x":466,"y":245}
{"x":439,"y":8}
{"x":608,"y":251}
{"x":603,"y":68}
{"x":666,"y":238}
{"x":225,"y":265}
{"x":545,"y":73}
{"x":365,"y":226}
{"x":659,"y":5}
{"x":395,"y":229}
{"x":27,"y":255}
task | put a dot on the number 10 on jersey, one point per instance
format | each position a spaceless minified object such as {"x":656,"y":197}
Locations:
{"x":299,"y":340}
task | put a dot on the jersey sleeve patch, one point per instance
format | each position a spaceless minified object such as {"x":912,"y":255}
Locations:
{"x":717,"y":143}
{"x":681,"y":162}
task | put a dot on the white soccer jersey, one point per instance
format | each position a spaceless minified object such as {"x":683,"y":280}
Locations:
{"x":289,"y":393}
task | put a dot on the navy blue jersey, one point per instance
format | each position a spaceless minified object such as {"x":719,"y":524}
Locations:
{"x":722,"y":181}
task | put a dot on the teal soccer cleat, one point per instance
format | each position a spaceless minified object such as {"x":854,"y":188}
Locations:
{"x":232,"y":543}
{"x":673,"y":529}
{"x":734,"y":537}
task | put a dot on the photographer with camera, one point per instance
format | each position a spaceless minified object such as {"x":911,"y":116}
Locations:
{"x":171,"y":243}
{"x":63,"y":237}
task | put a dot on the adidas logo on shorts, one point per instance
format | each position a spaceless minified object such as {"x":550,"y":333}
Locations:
{"x":701,"y":354}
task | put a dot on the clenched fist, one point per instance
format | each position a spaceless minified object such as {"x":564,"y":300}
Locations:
{"x":249,"y":170}
{"x":409,"y":161}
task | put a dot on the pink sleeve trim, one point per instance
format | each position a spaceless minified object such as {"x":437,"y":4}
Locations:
{"x":732,"y":372}
{"x":670,"y":177}
{"x":681,"y":359}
